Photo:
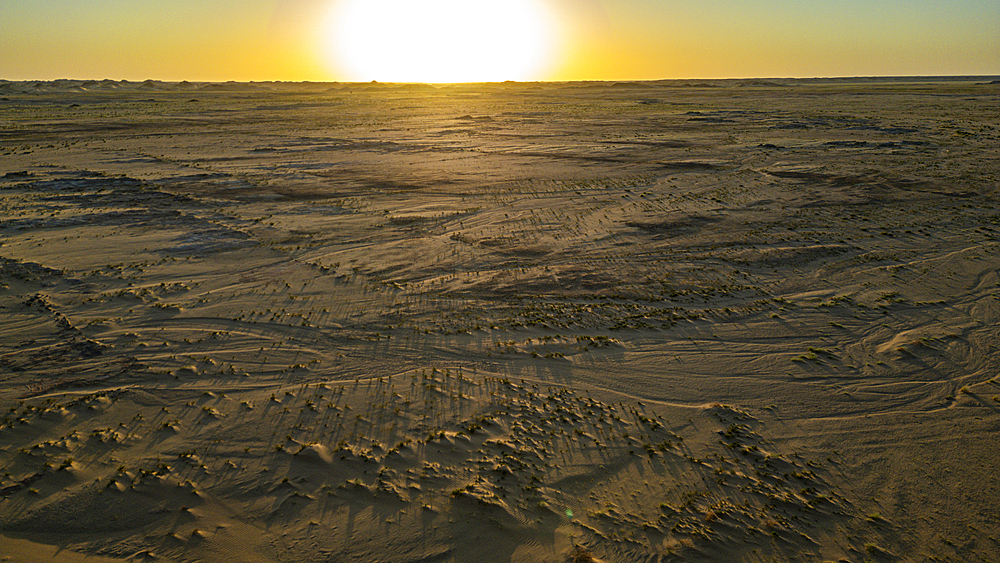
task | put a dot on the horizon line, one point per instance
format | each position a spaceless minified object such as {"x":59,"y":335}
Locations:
{"x":569,"y":81}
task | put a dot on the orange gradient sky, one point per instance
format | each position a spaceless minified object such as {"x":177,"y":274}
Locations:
{"x":470,"y":40}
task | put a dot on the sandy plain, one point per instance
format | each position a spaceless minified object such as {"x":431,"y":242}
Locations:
{"x":663,"y":321}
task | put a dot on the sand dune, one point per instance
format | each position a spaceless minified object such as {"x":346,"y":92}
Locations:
{"x":673,"y":321}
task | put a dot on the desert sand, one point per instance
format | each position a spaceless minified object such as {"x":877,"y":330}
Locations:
{"x":660,"y":321}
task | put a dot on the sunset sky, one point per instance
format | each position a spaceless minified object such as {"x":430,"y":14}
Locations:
{"x":453,"y":40}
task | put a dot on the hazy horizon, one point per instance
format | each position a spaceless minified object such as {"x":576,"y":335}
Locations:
{"x":935,"y":77}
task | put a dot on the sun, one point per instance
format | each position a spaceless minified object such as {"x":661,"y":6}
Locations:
{"x":441,"y":40}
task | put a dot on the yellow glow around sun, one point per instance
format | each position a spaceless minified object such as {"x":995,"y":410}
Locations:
{"x":441,"y":40}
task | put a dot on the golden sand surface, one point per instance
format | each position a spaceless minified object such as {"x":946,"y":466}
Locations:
{"x":661,"y":321}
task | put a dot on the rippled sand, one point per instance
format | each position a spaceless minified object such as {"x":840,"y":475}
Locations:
{"x":665,"y":321}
